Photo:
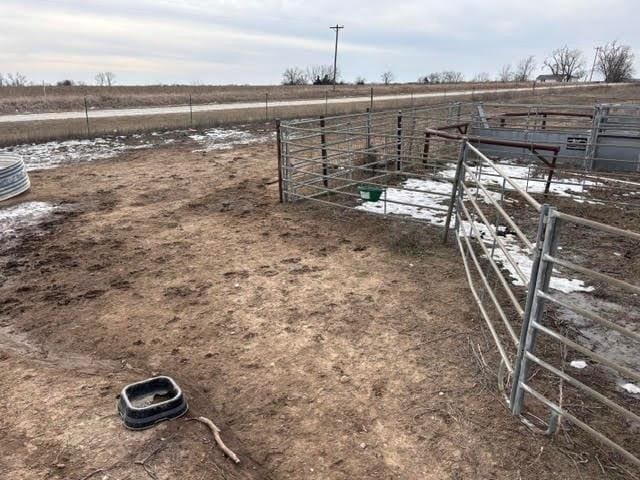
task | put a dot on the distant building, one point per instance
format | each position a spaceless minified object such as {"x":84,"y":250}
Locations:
{"x":551,"y":78}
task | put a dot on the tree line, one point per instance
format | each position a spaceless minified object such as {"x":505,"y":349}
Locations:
{"x":613,"y":61}
{"x":103,"y":79}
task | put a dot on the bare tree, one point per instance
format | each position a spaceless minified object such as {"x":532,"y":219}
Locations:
{"x":481,"y":77}
{"x":110,"y":78}
{"x":387,"y":77}
{"x":16,"y":80}
{"x":505,"y":74}
{"x":294,"y":76}
{"x":435,"y":77}
{"x":525,"y":69}
{"x":615,"y":62}
{"x":566,"y":63}
{"x":105,"y":79}
{"x":321,"y":74}
{"x":449,"y":76}
{"x":361,"y":80}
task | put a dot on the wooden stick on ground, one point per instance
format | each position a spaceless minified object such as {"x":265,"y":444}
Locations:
{"x":216,"y":434}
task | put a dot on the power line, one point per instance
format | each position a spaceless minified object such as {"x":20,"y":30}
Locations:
{"x":337,"y":28}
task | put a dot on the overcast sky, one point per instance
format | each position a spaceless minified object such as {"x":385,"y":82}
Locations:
{"x":253,"y":41}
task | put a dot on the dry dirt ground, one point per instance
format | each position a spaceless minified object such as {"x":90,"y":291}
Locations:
{"x":325,"y":344}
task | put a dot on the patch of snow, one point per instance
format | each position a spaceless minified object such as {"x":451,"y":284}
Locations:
{"x":42,"y":156}
{"x":17,"y":217}
{"x":579,"y":364}
{"x":631,"y":388}
{"x":600,"y":339}
{"x":521,"y":257}
{"x":225,"y":139}
{"x":523,"y":177}
{"x":427,"y":200}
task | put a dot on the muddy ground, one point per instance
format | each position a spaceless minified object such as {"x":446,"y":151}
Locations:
{"x":324,"y":344}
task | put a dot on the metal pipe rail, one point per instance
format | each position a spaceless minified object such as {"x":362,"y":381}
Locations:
{"x":325,"y":162}
{"x":494,"y":235}
{"x":530,"y":200}
{"x":496,"y":269}
{"x":485,"y":316}
{"x":526,"y":356}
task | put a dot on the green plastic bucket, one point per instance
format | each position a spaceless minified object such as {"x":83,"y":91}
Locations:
{"x":370,"y":193}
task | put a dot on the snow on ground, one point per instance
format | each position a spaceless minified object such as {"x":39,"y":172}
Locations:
{"x":521,"y":257}
{"x":523,"y":176}
{"x":41,"y":156}
{"x":21,"y":216}
{"x":631,"y":388}
{"x":225,"y":139}
{"x":579,"y":364}
{"x":600,"y":339}
{"x":428,"y":199}
{"x":426,"y":203}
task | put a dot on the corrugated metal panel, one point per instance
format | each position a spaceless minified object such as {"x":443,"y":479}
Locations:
{"x":13,"y":176}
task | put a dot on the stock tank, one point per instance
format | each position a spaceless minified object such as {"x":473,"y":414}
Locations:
{"x":14,"y":179}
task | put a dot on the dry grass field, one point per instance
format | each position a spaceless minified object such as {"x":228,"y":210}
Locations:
{"x":38,"y":131}
{"x":54,"y":99}
{"x":325,"y":344}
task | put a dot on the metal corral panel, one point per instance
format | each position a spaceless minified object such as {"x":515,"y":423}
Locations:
{"x":572,"y":144}
{"x":617,"y":153}
{"x":612,"y":152}
{"x":13,"y":176}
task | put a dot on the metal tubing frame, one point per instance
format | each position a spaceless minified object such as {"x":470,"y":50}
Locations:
{"x":544,"y":249}
{"x":526,"y":318}
{"x":536,"y":310}
{"x":454,"y":190}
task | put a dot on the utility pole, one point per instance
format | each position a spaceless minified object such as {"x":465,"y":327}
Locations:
{"x":593,"y":67}
{"x":337,"y":28}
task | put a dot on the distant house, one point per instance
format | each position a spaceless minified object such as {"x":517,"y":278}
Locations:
{"x":551,"y":78}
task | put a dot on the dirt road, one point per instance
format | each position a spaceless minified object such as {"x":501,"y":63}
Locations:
{"x":149,"y":111}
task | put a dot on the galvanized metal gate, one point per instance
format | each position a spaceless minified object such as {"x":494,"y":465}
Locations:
{"x":514,"y":254}
{"x":516,"y":335}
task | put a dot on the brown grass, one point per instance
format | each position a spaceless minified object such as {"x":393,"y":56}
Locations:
{"x":15,"y":133}
{"x":35,"y":99}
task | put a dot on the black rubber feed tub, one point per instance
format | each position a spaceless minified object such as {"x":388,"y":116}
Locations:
{"x":143,"y":404}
